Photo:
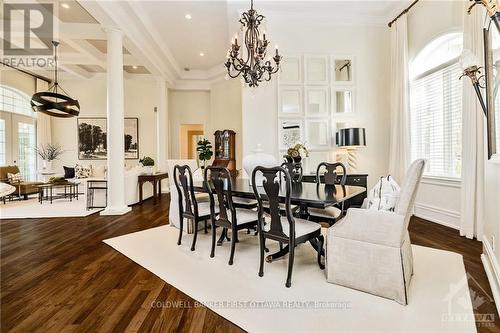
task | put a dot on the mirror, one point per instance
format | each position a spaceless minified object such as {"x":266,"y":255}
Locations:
{"x":290,"y":133}
{"x":492,"y":64}
{"x":343,"y":70}
{"x":291,"y":100}
{"x":317,"y":102}
{"x":317,"y":133}
{"x":343,"y":101}
{"x":290,"y":70}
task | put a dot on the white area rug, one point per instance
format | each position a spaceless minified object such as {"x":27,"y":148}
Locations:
{"x":438,"y":301}
{"x":31,"y":208}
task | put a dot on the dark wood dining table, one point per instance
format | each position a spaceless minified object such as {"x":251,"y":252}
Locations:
{"x":303,"y":194}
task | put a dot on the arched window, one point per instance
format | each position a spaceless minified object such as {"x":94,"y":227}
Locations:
{"x":436,"y":106}
{"x":17,"y":131}
{"x":15,"y":101}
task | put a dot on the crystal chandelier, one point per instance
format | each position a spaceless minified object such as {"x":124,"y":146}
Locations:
{"x":253,"y":66}
{"x":53,"y":102}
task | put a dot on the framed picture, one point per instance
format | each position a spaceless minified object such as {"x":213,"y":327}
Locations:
{"x":92,"y":143}
{"x":131,"y":138}
{"x":92,"y":138}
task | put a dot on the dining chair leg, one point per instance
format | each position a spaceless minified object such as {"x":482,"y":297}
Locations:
{"x":180,"y":230}
{"x":281,"y":246}
{"x":291,"y":256}
{"x":321,"y":241}
{"x":262,"y":244}
{"x":212,"y":253}
{"x":195,"y":234}
{"x":234,"y":239}
{"x":206,"y":227}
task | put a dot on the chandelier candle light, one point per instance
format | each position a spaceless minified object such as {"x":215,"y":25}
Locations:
{"x":52,"y":102}
{"x":253,"y":66}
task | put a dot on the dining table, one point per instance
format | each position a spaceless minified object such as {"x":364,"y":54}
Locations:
{"x":302,"y":194}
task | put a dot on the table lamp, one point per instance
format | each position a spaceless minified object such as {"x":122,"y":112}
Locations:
{"x":351,"y":139}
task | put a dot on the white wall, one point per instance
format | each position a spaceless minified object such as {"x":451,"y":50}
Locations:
{"x":186,"y":107}
{"x":141,"y":96}
{"x":217,"y":109}
{"x":436,"y":201}
{"x":369,"y":46}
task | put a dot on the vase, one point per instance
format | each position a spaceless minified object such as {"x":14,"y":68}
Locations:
{"x":297,"y":159}
{"x":149,"y":170}
{"x":258,"y":158}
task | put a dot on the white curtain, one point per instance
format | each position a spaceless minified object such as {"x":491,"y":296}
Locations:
{"x":400,"y":131}
{"x":473,"y":126}
{"x":43,"y":123}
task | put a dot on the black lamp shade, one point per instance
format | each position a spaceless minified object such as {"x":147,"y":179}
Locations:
{"x":351,"y":137}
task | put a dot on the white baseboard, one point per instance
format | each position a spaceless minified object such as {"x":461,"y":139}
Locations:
{"x":492,"y":269}
{"x":438,"y":215}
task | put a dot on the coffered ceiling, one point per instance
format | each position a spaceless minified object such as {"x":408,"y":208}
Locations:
{"x":182,"y":41}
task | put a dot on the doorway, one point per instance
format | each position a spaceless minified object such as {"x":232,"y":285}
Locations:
{"x":190,"y":134}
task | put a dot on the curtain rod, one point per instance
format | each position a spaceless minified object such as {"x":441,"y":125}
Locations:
{"x":402,"y":13}
{"x":43,"y":78}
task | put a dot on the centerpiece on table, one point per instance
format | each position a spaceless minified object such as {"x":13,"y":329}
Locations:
{"x":296,"y":153}
{"x":148,"y":163}
{"x":48,"y":153}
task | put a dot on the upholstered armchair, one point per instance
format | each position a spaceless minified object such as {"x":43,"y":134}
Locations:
{"x":370,"y":250}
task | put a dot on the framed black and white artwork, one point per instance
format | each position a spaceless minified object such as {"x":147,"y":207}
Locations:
{"x":92,"y":138}
{"x":92,"y":144}
{"x":131,"y":138}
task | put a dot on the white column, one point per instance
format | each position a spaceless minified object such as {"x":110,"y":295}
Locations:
{"x":162,"y":130}
{"x":115,"y":131}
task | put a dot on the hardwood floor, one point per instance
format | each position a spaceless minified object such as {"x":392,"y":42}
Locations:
{"x":58,"y":276}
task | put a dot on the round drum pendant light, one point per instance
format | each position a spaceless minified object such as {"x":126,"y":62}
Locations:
{"x":52,"y":102}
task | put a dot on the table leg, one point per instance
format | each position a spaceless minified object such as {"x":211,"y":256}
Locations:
{"x":154,"y":192}
{"x":51,"y":195}
{"x":284,"y":251}
{"x":159,"y":189}
{"x":303,"y":212}
{"x":140,"y":192}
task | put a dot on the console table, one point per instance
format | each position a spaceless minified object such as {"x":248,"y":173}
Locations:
{"x":154,"y":179}
{"x":352,"y":179}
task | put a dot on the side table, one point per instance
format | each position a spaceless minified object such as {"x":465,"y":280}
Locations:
{"x":155,"y":179}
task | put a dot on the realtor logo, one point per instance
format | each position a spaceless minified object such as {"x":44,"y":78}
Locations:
{"x":28,"y":29}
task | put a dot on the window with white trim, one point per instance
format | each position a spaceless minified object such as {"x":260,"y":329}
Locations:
{"x":436,"y":107}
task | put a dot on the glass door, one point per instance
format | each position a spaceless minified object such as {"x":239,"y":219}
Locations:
{"x":24,"y":140}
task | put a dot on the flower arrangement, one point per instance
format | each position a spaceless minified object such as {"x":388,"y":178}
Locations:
{"x":296,"y":153}
{"x":49,"y":152}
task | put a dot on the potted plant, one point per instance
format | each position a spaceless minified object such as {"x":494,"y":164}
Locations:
{"x":296,"y":153}
{"x":204,"y":150}
{"x":147,"y":162}
{"x":49,"y":153}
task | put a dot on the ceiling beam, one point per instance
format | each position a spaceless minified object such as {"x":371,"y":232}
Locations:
{"x":76,"y":71}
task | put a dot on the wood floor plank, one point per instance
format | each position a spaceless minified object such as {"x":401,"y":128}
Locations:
{"x":58,"y":276}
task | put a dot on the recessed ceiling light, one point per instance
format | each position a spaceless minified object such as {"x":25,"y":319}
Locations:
{"x":202,"y":54}
{"x":188,"y":16}
{"x":65,"y":5}
{"x":134,"y":67}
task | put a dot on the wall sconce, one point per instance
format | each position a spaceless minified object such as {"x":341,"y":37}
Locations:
{"x":472,"y":72}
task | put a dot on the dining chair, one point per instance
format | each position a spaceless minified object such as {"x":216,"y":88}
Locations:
{"x":283,"y":229}
{"x":189,"y":207}
{"x":223,"y":212}
{"x":370,"y":250}
{"x":330,"y":179}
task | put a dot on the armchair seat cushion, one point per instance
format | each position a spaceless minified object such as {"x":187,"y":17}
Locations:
{"x":244,"y":201}
{"x":243,"y":215}
{"x":302,"y":227}
{"x":371,"y":226}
